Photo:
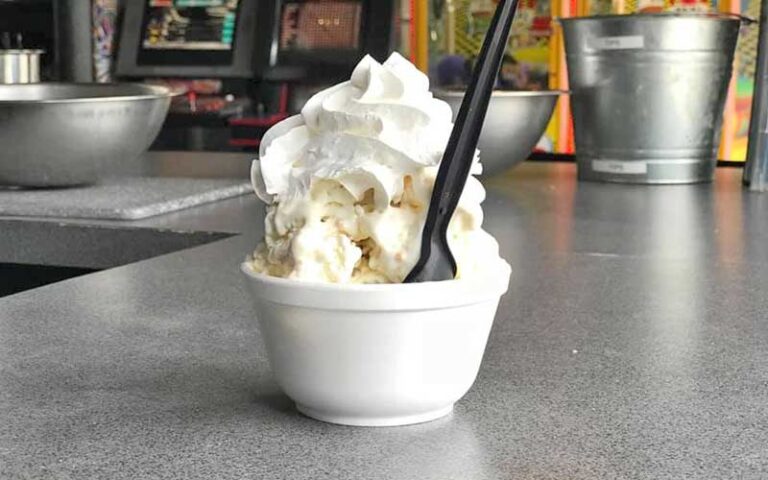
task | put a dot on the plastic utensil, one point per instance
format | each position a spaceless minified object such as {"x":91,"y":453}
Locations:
{"x":436,"y":261}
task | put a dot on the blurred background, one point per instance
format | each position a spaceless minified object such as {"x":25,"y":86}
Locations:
{"x":243,"y":65}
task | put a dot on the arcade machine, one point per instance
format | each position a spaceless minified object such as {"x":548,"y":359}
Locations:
{"x":208,"y":50}
{"x":241,"y":65}
{"x":317,"y":44}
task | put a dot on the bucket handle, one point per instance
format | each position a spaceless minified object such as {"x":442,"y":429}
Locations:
{"x":745,"y":21}
{"x":743,"y":18}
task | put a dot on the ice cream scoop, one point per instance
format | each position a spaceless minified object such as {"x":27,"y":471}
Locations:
{"x":348,"y":182}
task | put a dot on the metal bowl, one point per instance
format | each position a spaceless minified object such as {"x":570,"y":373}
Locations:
{"x":54,"y":135}
{"x":514,"y":124}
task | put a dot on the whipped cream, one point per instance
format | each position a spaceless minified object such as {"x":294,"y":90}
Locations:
{"x":348,"y":182}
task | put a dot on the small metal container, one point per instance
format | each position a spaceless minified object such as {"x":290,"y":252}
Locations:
{"x":648,"y":93}
{"x":20,"y":66}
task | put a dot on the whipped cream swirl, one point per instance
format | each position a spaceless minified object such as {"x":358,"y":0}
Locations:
{"x":348,"y":181}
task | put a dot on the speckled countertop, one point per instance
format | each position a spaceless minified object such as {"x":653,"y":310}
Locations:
{"x":633,"y":344}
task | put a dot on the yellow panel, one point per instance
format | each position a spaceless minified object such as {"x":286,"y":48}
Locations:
{"x":532,"y":55}
{"x":730,"y":121}
{"x":421,"y":22}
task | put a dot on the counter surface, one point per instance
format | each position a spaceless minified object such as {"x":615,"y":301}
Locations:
{"x":632,"y":344}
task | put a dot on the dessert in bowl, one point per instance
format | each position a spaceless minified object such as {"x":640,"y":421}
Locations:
{"x":347,"y":185}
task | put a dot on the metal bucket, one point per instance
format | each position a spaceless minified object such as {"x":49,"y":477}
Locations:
{"x":648,"y":93}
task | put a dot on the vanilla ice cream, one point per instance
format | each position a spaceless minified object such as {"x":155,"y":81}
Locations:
{"x":348,"y":183}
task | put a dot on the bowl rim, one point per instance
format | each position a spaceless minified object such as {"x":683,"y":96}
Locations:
{"x":379,"y":297}
{"x":504,"y":93}
{"x":501,"y":266}
{"x":153,"y":92}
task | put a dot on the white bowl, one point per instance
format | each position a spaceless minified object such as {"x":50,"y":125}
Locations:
{"x":376,"y":355}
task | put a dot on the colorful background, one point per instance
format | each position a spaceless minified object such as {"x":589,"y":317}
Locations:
{"x":445,"y":36}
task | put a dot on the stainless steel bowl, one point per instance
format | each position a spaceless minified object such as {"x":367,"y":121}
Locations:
{"x":514,"y":124}
{"x":55,"y":135}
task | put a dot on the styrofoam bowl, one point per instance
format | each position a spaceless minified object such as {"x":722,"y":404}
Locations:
{"x":376,"y":355}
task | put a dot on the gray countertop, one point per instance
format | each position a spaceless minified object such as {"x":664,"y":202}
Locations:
{"x":633,"y":344}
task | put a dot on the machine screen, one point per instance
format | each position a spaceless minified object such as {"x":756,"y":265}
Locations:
{"x":324,"y":25}
{"x":190,"y":25}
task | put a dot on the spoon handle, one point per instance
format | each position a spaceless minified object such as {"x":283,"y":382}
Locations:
{"x":459,"y":154}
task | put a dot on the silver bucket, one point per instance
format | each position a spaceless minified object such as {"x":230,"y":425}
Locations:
{"x":648,"y":93}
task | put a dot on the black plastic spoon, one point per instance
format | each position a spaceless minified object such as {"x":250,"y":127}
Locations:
{"x":436,"y":261}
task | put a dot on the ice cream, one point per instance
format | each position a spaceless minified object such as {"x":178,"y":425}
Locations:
{"x":348,"y":183}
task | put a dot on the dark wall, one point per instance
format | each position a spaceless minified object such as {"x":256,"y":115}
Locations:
{"x":74,"y":40}
{"x":60,"y":27}
{"x":34,"y":19}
